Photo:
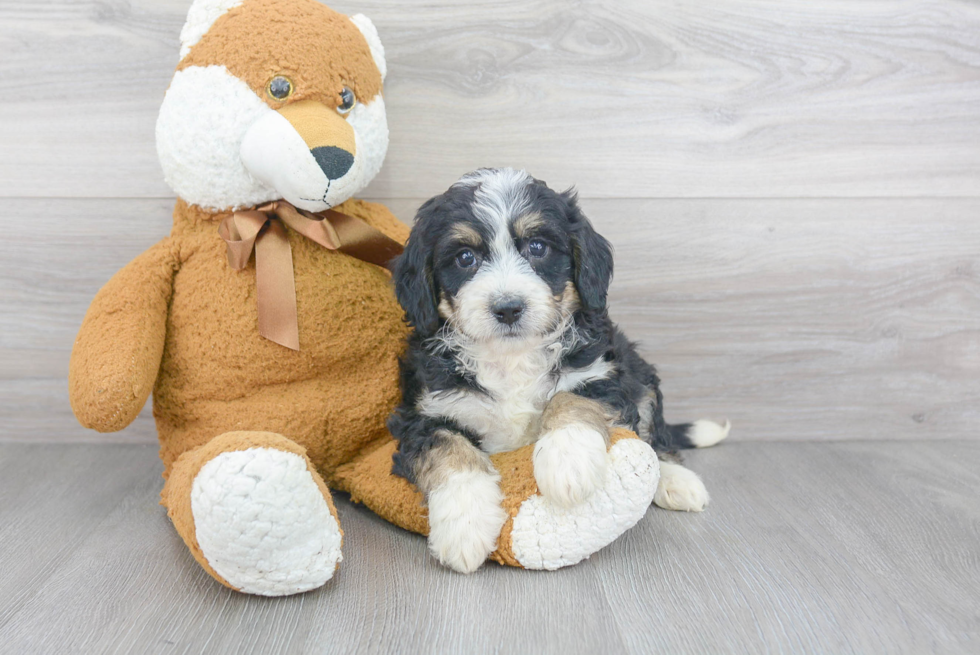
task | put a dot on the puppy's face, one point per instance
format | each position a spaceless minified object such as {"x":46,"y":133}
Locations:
{"x":501,"y":257}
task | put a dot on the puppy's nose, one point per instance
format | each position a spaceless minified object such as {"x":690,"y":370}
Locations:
{"x":508,"y":311}
{"x":333,"y":161}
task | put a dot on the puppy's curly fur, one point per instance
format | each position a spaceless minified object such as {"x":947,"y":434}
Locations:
{"x":504,"y":281}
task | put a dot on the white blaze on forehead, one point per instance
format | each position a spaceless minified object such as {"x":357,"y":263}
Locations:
{"x":200,"y":17}
{"x":501,"y":196}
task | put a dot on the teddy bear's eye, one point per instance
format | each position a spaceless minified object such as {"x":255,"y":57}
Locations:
{"x":347,"y":101}
{"x":280,"y":87}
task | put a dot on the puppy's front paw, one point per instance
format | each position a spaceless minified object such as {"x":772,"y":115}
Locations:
{"x":465,"y":518}
{"x":680,"y":489}
{"x":570,"y":464}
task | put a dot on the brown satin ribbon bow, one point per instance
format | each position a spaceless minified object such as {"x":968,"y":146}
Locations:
{"x":275,"y":289}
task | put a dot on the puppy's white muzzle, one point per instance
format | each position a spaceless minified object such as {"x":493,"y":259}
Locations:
{"x":505,"y":299}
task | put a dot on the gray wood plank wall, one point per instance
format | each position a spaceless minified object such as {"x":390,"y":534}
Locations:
{"x":793,"y":189}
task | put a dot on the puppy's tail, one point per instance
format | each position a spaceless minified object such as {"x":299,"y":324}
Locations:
{"x":699,"y":434}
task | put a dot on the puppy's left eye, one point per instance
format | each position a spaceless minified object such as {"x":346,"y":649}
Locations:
{"x":465,"y":258}
{"x":537,"y":248}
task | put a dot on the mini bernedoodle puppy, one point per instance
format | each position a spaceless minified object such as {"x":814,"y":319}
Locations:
{"x":504,"y":281}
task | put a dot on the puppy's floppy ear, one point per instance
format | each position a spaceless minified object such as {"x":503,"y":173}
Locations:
{"x":591,"y":256}
{"x":414,"y":283}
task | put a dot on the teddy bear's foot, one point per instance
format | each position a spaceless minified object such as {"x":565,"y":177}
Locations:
{"x":263,"y":524}
{"x":261,"y":518}
{"x":538,"y":533}
{"x":547,"y":535}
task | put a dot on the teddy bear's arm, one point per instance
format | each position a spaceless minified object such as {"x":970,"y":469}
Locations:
{"x":117,"y":353}
{"x":378,"y":216}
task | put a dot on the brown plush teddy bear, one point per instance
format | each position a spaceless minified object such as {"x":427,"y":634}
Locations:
{"x":273,"y":373}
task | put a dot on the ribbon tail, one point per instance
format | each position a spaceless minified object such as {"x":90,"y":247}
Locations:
{"x":362,"y":241}
{"x":338,"y":231}
{"x":275,"y":287}
{"x":239,"y":232}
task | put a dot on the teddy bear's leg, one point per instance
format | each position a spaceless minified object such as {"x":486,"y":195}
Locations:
{"x":543,"y":534}
{"x":255,"y":513}
{"x":538,"y":533}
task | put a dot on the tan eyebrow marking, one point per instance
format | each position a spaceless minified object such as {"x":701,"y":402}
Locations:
{"x":526,"y":223}
{"x":465,"y":234}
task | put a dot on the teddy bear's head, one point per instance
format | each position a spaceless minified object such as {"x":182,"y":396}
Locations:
{"x":273,"y":99}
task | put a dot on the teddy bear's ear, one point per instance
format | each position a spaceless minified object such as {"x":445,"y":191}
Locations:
{"x":364,"y":24}
{"x":200,"y":18}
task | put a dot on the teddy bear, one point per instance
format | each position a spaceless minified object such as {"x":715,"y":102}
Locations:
{"x":266,"y":326}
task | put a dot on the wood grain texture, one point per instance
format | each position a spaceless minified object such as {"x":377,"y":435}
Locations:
{"x":851,"y":547}
{"x":796,"y":319}
{"x":632,"y":98}
{"x":693,"y":130}
{"x":807,"y":319}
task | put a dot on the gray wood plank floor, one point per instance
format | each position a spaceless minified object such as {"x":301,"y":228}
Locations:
{"x":852,"y":547}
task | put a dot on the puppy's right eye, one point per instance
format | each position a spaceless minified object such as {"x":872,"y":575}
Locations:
{"x":465,"y":258}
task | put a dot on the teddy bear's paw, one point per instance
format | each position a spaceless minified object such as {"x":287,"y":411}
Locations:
{"x":548,"y":536}
{"x":680,"y":489}
{"x":263,"y":524}
{"x":465,"y":518}
{"x":570,"y":464}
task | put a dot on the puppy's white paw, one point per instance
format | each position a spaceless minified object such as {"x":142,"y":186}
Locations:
{"x":569,"y":464}
{"x":680,"y":489}
{"x":465,"y":518}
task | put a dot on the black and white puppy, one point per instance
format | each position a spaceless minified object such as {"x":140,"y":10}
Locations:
{"x":505,"y":281}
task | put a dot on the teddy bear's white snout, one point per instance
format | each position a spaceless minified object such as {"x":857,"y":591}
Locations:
{"x":275,"y":154}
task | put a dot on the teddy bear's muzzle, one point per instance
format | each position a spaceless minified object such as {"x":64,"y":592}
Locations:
{"x":305,"y":151}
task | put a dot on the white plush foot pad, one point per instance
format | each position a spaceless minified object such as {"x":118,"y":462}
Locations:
{"x":546,"y":536}
{"x":263,"y":524}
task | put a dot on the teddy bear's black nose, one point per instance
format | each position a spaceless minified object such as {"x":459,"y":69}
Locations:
{"x":333,"y":161}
